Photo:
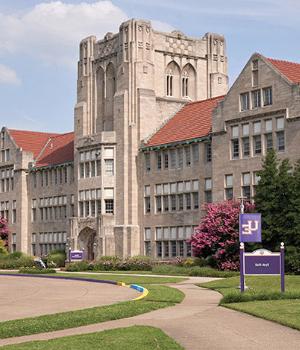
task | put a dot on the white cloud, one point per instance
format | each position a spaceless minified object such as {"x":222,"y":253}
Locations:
{"x":8,"y":76}
{"x":52,"y":31}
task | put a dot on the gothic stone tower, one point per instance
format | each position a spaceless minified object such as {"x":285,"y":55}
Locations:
{"x":129,"y":83}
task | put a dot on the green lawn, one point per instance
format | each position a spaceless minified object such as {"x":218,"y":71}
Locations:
{"x":286,"y":312}
{"x":262,"y":298}
{"x":260,"y":288}
{"x":126,"y":279}
{"x":173,"y":270}
{"x":131,"y":338}
{"x":158,"y":297}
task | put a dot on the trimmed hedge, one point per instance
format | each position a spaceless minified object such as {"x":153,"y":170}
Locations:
{"x":36,"y":271}
{"x":15,"y":261}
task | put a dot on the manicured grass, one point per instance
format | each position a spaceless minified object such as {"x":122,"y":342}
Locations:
{"x":197,"y":271}
{"x":126,"y":279}
{"x":173,"y":270}
{"x":262,"y":298}
{"x":158,"y":297}
{"x":286,"y":312}
{"x":131,"y":338}
{"x":260,"y":288}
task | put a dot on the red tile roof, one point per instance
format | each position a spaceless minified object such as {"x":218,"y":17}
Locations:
{"x":59,"y":150}
{"x":290,"y":69}
{"x":192,"y":121}
{"x":47,"y":148}
{"x":30,"y":141}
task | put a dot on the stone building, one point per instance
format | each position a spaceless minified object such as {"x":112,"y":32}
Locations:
{"x":130,"y":83}
{"x":36,"y":189}
{"x":154,"y":138}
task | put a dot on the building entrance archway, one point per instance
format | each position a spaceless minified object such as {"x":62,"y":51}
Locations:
{"x":86,"y":241}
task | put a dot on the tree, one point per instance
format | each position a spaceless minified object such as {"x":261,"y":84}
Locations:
{"x":294,"y":216}
{"x":217,"y":236}
{"x":273,"y":199}
{"x":4,"y":230}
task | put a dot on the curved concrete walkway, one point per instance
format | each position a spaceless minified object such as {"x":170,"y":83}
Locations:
{"x":197,"y":323}
{"x":33,"y":296}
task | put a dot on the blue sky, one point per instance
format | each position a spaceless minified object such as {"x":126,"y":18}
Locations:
{"x":39,"y":44}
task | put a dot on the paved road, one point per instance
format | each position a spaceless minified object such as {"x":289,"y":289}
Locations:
{"x":26,"y":297}
{"x":198,"y":323}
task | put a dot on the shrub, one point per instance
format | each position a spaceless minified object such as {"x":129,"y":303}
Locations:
{"x":16,"y":255}
{"x":107,"y":263}
{"x":10,"y":262}
{"x":292,"y":260}
{"x":78,"y":266}
{"x":137,"y":263}
{"x":216,"y":238}
{"x":35,"y":270}
{"x":3,"y":250}
{"x":56,"y":259}
{"x":4,"y":230}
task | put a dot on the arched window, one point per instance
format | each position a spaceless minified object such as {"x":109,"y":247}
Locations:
{"x":100,"y":89}
{"x":172,"y":79}
{"x":188,"y":82}
{"x":109,"y":97}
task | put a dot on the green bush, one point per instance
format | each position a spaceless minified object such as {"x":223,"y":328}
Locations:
{"x":16,"y":255}
{"x":292,"y":260}
{"x":107,"y":263}
{"x":114,"y":263}
{"x":56,"y":259}
{"x":78,"y":266}
{"x":3,"y":250}
{"x":35,"y":270}
{"x":196,"y":271}
{"x":137,"y":263}
{"x":10,"y":261}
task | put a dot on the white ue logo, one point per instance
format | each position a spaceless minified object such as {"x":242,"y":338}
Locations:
{"x":250,"y":227}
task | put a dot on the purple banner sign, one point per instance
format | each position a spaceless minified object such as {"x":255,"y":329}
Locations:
{"x":262,"y":264}
{"x":250,"y":227}
{"x":76,"y":255}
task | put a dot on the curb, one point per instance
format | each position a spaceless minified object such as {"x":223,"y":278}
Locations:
{"x":138,"y":288}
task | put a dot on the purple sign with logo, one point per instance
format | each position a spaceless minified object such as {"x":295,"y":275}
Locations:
{"x":76,"y":255}
{"x":250,"y":227}
{"x":262,"y":264}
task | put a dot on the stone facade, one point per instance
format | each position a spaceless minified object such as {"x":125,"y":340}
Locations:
{"x":260,"y":111}
{"x":129,"y":84}
{"x":145,"y":159}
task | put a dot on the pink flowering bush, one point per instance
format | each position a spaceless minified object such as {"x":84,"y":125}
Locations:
{"x":4,"y":230}
{"x":217,"y":236}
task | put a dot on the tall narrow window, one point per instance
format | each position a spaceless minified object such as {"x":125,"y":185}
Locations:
{"x":256,"y":99}
{"x":147,"y":162}
{"x":169,"y":85}
{"x":245,"y":101}
{"x":208,"y":190}
{"x":184,"y":86}
{"x":267,"y":95}
{"x":228,"y":187}
{"x":208,"y":152}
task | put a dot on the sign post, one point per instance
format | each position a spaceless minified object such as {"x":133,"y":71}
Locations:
{"x":282,"y":282}
{"x":242,"y":275}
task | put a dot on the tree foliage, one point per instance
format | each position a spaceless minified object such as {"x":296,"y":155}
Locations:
{"x":217,"y":236}
{"x":4,"y":230}
{"x":277,"y":199}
